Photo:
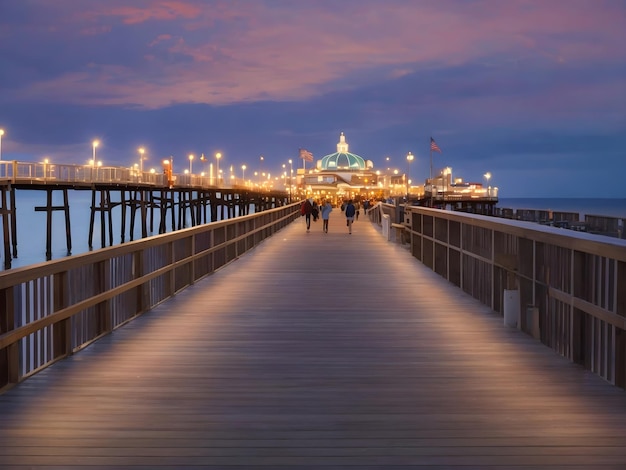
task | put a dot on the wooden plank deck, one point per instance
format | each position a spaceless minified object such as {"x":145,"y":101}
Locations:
{"x":316,"y":351}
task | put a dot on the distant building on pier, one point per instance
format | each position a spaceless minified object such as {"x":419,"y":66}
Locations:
{"x":341,"y":175}
{"x":346,"y":175}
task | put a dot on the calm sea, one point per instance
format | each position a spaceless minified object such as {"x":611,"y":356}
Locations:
{"x":605,"y":207}
{"x":31,"y":225}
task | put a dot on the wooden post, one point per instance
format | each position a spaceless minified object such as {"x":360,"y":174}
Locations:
{"x":171,"y":196}
{"x":48,"y":224}
{"x":92,"y":217}
{"x":124,"y":202}
{"x":109,"y":210}
{"x":49,"y":209}
{"x":9,"y":356}
{"x":5,"y":229}
{"x":142,"y":202}
{"x":61,"y":331}
{"x":13,"y":212}
{"x":68,"y":230}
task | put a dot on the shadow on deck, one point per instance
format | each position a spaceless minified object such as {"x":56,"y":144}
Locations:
{"x":316,"y":350}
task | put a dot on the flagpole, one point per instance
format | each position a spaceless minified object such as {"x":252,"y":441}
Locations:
{"x":431,"y":172}
{"x":431,"y":162}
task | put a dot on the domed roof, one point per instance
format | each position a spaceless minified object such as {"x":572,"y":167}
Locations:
{"x":342,"y":159}
{"x":339,"y":160}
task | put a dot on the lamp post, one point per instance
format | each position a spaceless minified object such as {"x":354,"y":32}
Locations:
{"x":168,"y":170}
{"x":488,"y":177}
{"x":95,"y":144}
{"x":141,"y":152}
{"x":290,"y":177}
{"x":243,"y":174}
{"x":1,"y":134}
{"x":190,"y":164}
{"x":217,"y":167}
{"x":409,"y":159}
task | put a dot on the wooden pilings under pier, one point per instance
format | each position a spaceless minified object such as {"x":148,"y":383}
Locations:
{"x":175,"y":208}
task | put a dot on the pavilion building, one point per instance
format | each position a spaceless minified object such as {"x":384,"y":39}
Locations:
{"x":340,"y":175}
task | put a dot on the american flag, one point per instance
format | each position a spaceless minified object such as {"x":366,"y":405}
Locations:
{"x":433,"y":146}
{"x":306,"y":155}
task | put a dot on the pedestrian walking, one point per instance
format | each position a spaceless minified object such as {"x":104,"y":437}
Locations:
{"x":315,"y":211}
{"x":327,"y":208}
{"x":306,"y":209}
{"x":350,"y":210}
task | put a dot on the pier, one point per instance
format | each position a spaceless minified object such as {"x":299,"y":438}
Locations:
{"x":130,"y":196}
{"x":314,"y":350}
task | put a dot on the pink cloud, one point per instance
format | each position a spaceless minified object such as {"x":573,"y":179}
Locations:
{"x":135,"y":13}
{"x":227,"y":52}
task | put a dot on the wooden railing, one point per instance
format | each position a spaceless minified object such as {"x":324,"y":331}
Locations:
{"x":565,"y":288}
{"x":52,"y":173}
{"x":51,"y":310}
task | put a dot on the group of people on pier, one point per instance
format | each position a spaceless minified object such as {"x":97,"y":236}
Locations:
{"x":311,"y":209}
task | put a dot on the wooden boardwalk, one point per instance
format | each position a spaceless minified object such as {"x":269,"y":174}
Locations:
{"x":316,"y":351}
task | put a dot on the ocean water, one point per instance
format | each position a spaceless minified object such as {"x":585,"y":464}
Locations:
{"x":31,"y":225}
{"x":584,"y":206}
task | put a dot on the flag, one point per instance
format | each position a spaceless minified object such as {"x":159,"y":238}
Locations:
{"x":433,"y":146}
{"x":306,"y":155}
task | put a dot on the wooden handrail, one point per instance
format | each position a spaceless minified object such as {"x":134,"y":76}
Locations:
{"x":582,"y":305}
{"x":213,"y":245}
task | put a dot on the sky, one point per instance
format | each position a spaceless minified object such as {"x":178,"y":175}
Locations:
{"x":533,"y":92}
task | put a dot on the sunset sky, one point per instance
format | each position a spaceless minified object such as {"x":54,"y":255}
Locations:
{"x":533,"y":92}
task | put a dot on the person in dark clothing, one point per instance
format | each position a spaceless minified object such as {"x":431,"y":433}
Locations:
{"x":306,"y":209}
{"x":327,"y":208}
{"x":350,"y":211}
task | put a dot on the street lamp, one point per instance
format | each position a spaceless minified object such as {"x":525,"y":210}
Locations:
{"x":409,"y":159}
{"x":141,"y":152}
{"x":95,"y":143}
{"x":488,"y":177}
{"x":168,"y":170}
{"x":190,"y":164}
{"x":243,"y":174}
{"x":290,"y":177}
{"x":1,"y":134}
{"x":217,"y":167}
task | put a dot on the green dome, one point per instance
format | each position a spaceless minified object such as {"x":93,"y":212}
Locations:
{"x":343,"y":160}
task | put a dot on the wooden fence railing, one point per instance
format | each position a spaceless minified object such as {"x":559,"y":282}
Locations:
{"x":51,"y":310}
{"x":58,"y":173}
{"x":567,"y":289}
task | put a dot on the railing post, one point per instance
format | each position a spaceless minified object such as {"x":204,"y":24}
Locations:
{"x":170,"y":284}
{"x":14,"y":175}
{"x":103,"y":309}
{"x":9,"y":356}
{"x":192,"y":251}
{"x":61,"y":331}
{"x":141,"y":292}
